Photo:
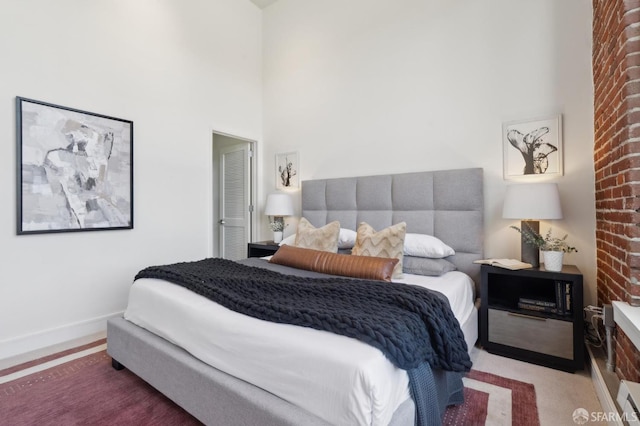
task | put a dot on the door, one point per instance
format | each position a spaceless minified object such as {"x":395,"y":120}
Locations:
{"x":235,"y":196}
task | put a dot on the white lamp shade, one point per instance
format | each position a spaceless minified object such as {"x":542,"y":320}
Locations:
{"x":279,"y":205}
{"x":532,"y":201}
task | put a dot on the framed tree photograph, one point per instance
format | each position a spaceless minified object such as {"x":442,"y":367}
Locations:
{"x":533,"y":147}
{"x":74,"y":169}
{"x":287,"y":170}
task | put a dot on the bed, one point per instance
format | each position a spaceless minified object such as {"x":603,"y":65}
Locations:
{"x":151,"y":343}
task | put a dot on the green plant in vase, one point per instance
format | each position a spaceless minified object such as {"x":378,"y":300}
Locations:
{"x":553,"y":248}
{"x":277,"y":226}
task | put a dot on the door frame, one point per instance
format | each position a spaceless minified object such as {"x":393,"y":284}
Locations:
{"x":214,"y":205}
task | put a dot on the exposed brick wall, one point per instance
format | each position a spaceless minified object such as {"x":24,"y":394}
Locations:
{"x":616,"y":79}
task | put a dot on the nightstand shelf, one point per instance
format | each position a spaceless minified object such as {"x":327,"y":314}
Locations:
{"x":533,"y":315}
{"x":262,"y":248}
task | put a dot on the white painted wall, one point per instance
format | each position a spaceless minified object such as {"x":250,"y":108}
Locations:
{"x":177,"y":69}
{"x":357,"y":87}
{"x":384,"y":86}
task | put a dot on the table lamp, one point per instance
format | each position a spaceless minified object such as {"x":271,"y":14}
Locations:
{"x":530,"y":202}
{"x":278,"y":206}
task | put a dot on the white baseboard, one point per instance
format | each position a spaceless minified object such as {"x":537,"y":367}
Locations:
{"x":33,"y":342}
{"x":605,"y":397}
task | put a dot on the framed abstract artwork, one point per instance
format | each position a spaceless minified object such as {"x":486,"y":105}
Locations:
{"x":287,"y":170}
{"x":74,"y":169}
{"x":533,"y":147}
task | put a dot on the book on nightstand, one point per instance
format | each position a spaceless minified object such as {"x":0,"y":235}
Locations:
{"x":563,"y":297}
{"x":512,"y":264}
{"x":537,"y":305}
{"x":539,"y":302}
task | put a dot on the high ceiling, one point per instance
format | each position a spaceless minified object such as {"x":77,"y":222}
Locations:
{"x":263,"y":3}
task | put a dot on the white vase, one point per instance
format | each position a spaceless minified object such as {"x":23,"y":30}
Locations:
{"x":553,"y":260}
{"x":277,"y":236}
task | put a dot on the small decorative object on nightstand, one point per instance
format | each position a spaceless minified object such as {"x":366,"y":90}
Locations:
{"x":553,"y":248}
{"x":262,"y":248}
{"x":533,"y":315}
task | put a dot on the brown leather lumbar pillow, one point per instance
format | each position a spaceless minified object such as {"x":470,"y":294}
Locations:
{"x":366,"y":267}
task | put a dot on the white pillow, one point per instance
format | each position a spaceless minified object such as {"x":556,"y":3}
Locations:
{"x":346,"y":239}
{"x":422,"y":245}
{"x":290,"y":240}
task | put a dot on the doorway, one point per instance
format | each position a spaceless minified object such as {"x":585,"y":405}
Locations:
{"x":233,"y":195}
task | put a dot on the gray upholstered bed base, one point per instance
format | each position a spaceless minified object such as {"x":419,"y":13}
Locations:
{"x":447,"y":204}
{"x":210,"y":395}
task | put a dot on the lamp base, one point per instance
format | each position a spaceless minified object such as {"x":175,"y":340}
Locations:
{"x":529,"y":253}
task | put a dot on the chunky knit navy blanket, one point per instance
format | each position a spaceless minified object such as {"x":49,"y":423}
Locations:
{"x":411,"y":325}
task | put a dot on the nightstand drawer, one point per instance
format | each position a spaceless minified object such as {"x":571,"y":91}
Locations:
{"x":543,"y":335}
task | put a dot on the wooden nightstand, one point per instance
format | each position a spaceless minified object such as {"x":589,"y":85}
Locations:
{"x":262,"y":248}
{"x":533,"y":315}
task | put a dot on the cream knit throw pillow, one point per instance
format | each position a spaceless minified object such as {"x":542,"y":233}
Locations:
{"x":324,"y":238}
{"x":388,"y":242}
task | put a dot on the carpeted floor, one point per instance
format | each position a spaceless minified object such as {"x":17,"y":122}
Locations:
{"x":79,"y":387}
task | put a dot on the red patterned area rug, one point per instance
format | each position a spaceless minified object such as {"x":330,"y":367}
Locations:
{"x":494,"y":400}
{"x":79,"y":387}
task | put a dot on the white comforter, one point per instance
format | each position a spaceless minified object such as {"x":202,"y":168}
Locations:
{"x":338,"y":378}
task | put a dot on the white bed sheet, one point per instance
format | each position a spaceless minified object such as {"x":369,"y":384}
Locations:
{"x":340,"y":379}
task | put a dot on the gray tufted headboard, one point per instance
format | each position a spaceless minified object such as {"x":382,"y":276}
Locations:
{"x":447,"y":204}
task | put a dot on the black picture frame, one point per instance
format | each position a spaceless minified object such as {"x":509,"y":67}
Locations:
{"x":74,"y":169}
